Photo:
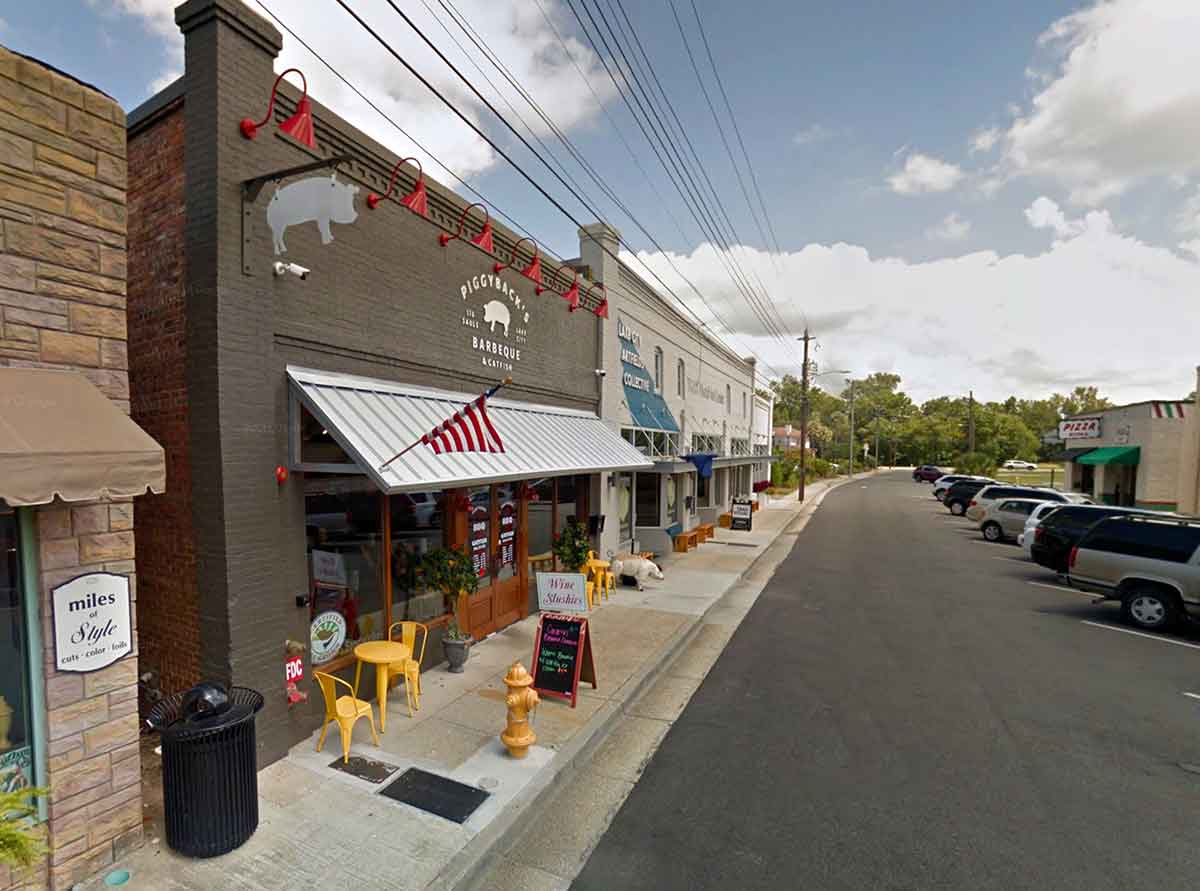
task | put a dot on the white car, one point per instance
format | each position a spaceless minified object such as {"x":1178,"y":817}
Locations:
{"x":1015,"y":464}
{"x":942,"y":485}
{"x":1025,"y":539}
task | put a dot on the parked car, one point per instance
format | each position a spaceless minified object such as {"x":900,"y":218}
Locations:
{"x":943,"y":484}
{"x":992,"y":493}
{"x":1016,"y":464}
{"x":959,"y":495}
{"x":1043,"y":510}
{"x":1062,"y":530}
{"x":1004,"y":519}
{"x":1151,"y":565}
{"x":927,"y":473}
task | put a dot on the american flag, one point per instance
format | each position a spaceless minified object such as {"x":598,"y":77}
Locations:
{"x":469,"y":430}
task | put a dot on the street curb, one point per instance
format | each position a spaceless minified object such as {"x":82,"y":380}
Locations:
{"x":467,"y":867}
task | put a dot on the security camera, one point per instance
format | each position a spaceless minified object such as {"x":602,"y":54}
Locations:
{"x":600,"y":372}
{"x":291,"y":269}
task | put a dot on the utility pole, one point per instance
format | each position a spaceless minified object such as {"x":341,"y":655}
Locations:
{"x":971,"y":421}
{"x":804,"y":416}
{"x":851,"y":383}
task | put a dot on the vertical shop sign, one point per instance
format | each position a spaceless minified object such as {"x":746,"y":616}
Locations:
{"x":508,"y":533}
{"x":479,"y":540}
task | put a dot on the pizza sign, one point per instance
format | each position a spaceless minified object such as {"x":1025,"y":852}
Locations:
{"x":1079,"y":428}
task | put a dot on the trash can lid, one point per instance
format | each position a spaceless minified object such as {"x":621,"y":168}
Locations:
{"x":199,"y":725}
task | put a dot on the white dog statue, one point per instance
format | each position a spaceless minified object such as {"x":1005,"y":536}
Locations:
{"x":638,"y":567}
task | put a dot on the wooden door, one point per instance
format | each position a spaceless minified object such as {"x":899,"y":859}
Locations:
{"x":507,"y":580}
{"x":481,"y":530}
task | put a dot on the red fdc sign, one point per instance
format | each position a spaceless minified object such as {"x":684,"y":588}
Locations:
{"x":293,"y":669}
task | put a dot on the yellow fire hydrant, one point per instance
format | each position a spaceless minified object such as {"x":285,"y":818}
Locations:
{"x":521,"y":700}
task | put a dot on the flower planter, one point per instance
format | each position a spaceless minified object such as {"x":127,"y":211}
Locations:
{"x":457,"y":652}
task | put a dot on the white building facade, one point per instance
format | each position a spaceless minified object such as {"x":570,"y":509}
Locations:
{"x":681,"y":397}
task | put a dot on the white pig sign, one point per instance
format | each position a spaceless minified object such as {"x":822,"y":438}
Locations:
{"x":318,"y":199}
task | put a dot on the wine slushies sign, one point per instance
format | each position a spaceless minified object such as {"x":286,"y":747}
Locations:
{"x":562,"y":592}
{"x":92,"y":627}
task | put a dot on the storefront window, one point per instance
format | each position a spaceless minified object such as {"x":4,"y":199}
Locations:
{"x":417,"y":527}
{"x":646,"y":496}
{"x":479,"y":532}
{"x":702,"y":486}
{"x":16,"y":740}
{"x":343,"y":530}
{"x":507,"y":517}
{"x":673,"y":498}
{"x":566,"y":496}
{"x":540,"y":510}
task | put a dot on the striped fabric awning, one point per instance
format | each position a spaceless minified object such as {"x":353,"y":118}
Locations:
{"x":1170,"y":409}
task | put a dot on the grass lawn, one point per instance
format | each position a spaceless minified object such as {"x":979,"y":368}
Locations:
{"x":1039,"y":477}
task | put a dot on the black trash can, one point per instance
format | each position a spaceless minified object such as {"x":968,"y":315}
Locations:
{"x":210,"y":780}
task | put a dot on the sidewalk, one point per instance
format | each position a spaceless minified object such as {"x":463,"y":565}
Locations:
{"x":321,"y":827}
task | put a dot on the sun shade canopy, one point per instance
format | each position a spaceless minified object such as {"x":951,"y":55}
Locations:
{"x":59,"y":435}
{"x":1112,"y":455}
{"x":372,"y":420}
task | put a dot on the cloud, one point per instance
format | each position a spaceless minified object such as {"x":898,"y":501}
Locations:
{"x":514,"y":30}
{"x":1046,"y":214}
{"x":809,"y":135}
{"x":1120,"y":104}
{"x":923,"y":173}
{"x":985,"y":140}
{"x":888,"y":313}
{"x":951,"y":228}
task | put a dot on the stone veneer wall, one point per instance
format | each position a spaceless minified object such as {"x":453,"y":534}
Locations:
{"x":62,"y":305}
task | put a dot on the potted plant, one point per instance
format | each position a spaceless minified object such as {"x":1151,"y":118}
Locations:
{"x":22,"y":839}
{"x":571,"y":547}
{"x":456,"y":644}
{"x":451,"y":571}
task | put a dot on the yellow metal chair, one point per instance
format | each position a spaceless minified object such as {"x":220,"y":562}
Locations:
{"x":346,"y":710}
{"x":409,"y":669}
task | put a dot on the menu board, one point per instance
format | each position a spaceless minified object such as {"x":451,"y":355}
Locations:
{"x":742,"y":518}
{"x":562,"y":655}
{"x":508,"y":533}
{"x":479,"y":540}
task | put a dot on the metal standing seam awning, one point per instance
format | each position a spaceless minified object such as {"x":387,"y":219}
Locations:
{"x":1070,"y":454}
{"x":1128,"y":455}
{"x":60,"y":436}
{"x":373,"y":419}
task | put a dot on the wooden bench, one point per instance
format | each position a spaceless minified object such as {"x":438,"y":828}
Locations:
{"x":706,"y":530}
{"x":685,"y":541}
{"x":754,"y":506}
{"x":725,"y":520}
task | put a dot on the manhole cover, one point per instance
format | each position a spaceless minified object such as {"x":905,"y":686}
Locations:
{"x":446,"y":798}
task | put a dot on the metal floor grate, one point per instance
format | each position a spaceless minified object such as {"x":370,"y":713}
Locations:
{"x":448,"y":799}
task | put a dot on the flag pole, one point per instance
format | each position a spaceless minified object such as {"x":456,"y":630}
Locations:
{"x":488,"y":395}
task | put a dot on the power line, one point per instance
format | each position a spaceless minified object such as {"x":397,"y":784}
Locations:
{"x":763,"y":300}
{"x":383,"y":114}
{"x":736,"y":129}
{"x":672,"y":168}
{"x":507,"y":157}
{"x":758,"y":303}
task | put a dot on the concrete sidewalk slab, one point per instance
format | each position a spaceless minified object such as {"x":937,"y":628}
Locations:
{"x":323,"y":827}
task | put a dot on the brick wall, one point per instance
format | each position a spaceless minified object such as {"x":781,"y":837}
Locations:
{"x":168,"y":632}
{"x":62,"y":305}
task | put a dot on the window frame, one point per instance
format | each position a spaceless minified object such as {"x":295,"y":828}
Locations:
{"x":681,"y":370}
{"x":28,"y":575}
{"x":660,"y":371}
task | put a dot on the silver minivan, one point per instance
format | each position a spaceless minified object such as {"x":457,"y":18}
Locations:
{"x":1150,"y":564}
{"x":1004,"y":519}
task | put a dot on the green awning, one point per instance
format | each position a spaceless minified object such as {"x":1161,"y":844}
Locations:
{"x":1112,"y":455}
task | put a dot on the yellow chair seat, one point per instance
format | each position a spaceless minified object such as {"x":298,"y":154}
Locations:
{"x":342,"y":710}
{"x":349,"y":707}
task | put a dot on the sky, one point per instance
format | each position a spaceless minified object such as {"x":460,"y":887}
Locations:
{"x":999,"y":197}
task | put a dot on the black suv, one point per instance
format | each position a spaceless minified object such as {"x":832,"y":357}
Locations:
{"x":960,"y":494}
{"x":1062,"y":530}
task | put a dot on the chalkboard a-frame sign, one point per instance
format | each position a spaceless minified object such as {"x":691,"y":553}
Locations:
{"x":562,"y":656}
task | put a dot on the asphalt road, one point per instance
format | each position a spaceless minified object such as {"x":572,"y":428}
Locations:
{"x":907,"y":707}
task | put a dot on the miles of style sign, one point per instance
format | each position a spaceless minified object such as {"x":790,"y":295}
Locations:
{"x":92,"y":627}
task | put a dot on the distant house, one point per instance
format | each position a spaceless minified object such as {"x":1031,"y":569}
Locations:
{"x":788,"y":437}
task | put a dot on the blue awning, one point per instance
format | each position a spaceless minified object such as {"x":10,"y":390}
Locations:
{"x":703,"y":462}
{"x":649,"y":410}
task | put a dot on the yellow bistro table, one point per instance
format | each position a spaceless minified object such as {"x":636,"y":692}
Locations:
{"x":381,"y":654}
